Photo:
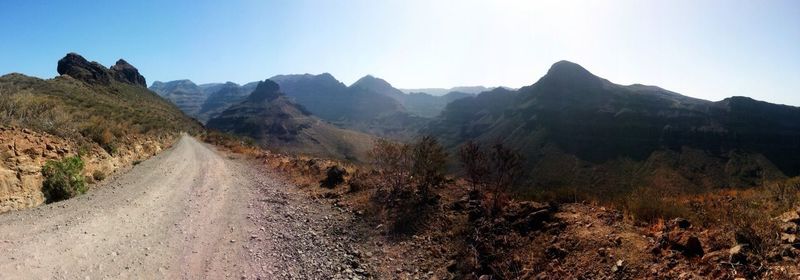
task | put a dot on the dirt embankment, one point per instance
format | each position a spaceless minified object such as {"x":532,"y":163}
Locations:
{"x":23,"y":152}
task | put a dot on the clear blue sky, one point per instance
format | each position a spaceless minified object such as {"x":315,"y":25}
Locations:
{"x":705,"y":49}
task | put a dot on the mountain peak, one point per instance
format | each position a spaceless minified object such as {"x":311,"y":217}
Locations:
{"x":565,"y":67}
{"x":378,"y":85}
{"x":265,"y":91}
{"x":126,"y":73}
{"x":570,"y":73}
{"x":370,"y":81}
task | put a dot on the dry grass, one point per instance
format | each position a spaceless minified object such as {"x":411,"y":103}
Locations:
{"x":107,"y":115}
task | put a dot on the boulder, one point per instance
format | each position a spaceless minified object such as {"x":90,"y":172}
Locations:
{"x":527,"y":216}
{"x":686,"y":243}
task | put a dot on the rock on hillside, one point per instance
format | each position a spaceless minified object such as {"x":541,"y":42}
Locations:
{"x":79,"y":68}
{"x":125,"y":72}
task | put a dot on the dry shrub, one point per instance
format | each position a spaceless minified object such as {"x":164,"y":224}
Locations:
{"x":784,"y":195}
{"x":494,"y":172}
{"x":408,"y":173}
{"x":236,"y":144}
{"x":649,"y":205}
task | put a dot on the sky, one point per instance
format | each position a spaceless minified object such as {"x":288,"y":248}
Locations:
{"x":700,"y":48}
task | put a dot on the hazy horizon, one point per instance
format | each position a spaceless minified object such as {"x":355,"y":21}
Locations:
{"x":706,"y":49}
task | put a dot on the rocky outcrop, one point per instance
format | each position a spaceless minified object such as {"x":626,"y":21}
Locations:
{"x":126,"y":73}
{"x":23,"y":152}
{"x":74,"y":65}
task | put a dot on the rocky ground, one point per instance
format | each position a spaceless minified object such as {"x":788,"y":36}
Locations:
{"x":529,"y":240}
{"x":190,"y":213}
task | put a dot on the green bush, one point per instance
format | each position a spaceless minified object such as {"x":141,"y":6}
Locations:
{"x":63,"y":179}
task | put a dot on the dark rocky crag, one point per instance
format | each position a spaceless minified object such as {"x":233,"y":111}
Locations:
{"x":74,"y":65}
{"x":126,"y":73}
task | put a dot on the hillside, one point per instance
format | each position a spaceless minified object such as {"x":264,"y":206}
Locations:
{"x":105,"y":113}
{"x":270,"y":118}
{"x":578,"y":130}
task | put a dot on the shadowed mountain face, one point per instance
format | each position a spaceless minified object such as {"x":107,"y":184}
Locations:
{"x":370,"y":105}
{"x":269,"y":117}
{"x":329,"y":99}
{"x":577,"y":129}
{"x":202,"y":102}
{"x":363,"y":107}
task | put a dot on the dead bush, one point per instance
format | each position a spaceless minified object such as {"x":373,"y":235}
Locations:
{"x":408,"y":173}
{"x":474,"y":164}
{"x":784,"y":194}
{"x":494,"y":172}
{"x":648,"y":205}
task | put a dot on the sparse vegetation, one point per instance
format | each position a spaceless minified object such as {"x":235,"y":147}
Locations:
{"x":98,"y":175}
{"x":409,"y":172}
{"x":110,"y":116}
{"x":647,"y":205}
{"x":494,"y":172}
{"x":63,"y":179}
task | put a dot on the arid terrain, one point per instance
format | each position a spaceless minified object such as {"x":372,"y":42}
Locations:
{"x":189,"y":213}
{"x":400,"y":140}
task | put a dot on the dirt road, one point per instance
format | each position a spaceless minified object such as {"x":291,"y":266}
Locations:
{"x":189,"y":213}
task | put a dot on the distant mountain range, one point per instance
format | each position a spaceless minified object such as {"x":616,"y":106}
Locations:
{"x":274,"y":121}
{"x":202,"y":101}
{"x":575,"y":129}
{"x":369,"y":105}
{"x":578,"y":130}
{"x":443,"y":91}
